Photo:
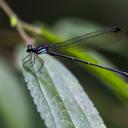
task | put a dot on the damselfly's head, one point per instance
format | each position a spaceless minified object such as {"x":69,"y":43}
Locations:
{"x":30,"y":48}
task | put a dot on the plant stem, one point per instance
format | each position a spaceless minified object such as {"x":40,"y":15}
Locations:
{"x":20,"y":25}
{"x":6,"y":8}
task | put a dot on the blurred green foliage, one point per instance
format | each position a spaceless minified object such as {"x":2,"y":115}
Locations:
{"x":16,"y":106}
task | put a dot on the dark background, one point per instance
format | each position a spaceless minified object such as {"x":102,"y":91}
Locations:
{"x":104,"y":12}
{"x":110,"y":12}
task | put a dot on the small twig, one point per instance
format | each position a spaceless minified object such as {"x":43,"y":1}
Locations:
{"x":24,"y":35}
{"x":6,"y":8}
{"x":31,"y":28}
{"x":20,"y":25}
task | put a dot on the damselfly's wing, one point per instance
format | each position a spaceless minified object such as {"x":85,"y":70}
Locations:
{"x":98,"y":39}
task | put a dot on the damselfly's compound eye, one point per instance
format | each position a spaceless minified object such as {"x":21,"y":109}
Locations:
{"x":29,"y":48}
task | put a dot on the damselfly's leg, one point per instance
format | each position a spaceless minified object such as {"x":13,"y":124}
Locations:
{"x":41,"y":61}
{"x":27,"y":59}
{"x":34,"y":60}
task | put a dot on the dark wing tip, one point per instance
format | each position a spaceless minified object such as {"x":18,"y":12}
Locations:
{"x":115,"y":29}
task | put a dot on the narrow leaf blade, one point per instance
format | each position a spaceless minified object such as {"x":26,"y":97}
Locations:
{"x":60,"y":99}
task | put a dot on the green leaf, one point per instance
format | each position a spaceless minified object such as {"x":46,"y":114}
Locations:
{"x":66,"y":28}
{"x":13,"y":106}
{"x":59,"y":97}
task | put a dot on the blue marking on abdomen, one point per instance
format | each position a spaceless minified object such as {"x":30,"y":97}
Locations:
{"x":42,"y":51}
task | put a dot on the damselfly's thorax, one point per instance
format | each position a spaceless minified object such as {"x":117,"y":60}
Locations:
{"x":42,"y":49}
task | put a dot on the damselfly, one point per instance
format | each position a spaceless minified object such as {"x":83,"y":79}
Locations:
{"x":50,"y":49}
